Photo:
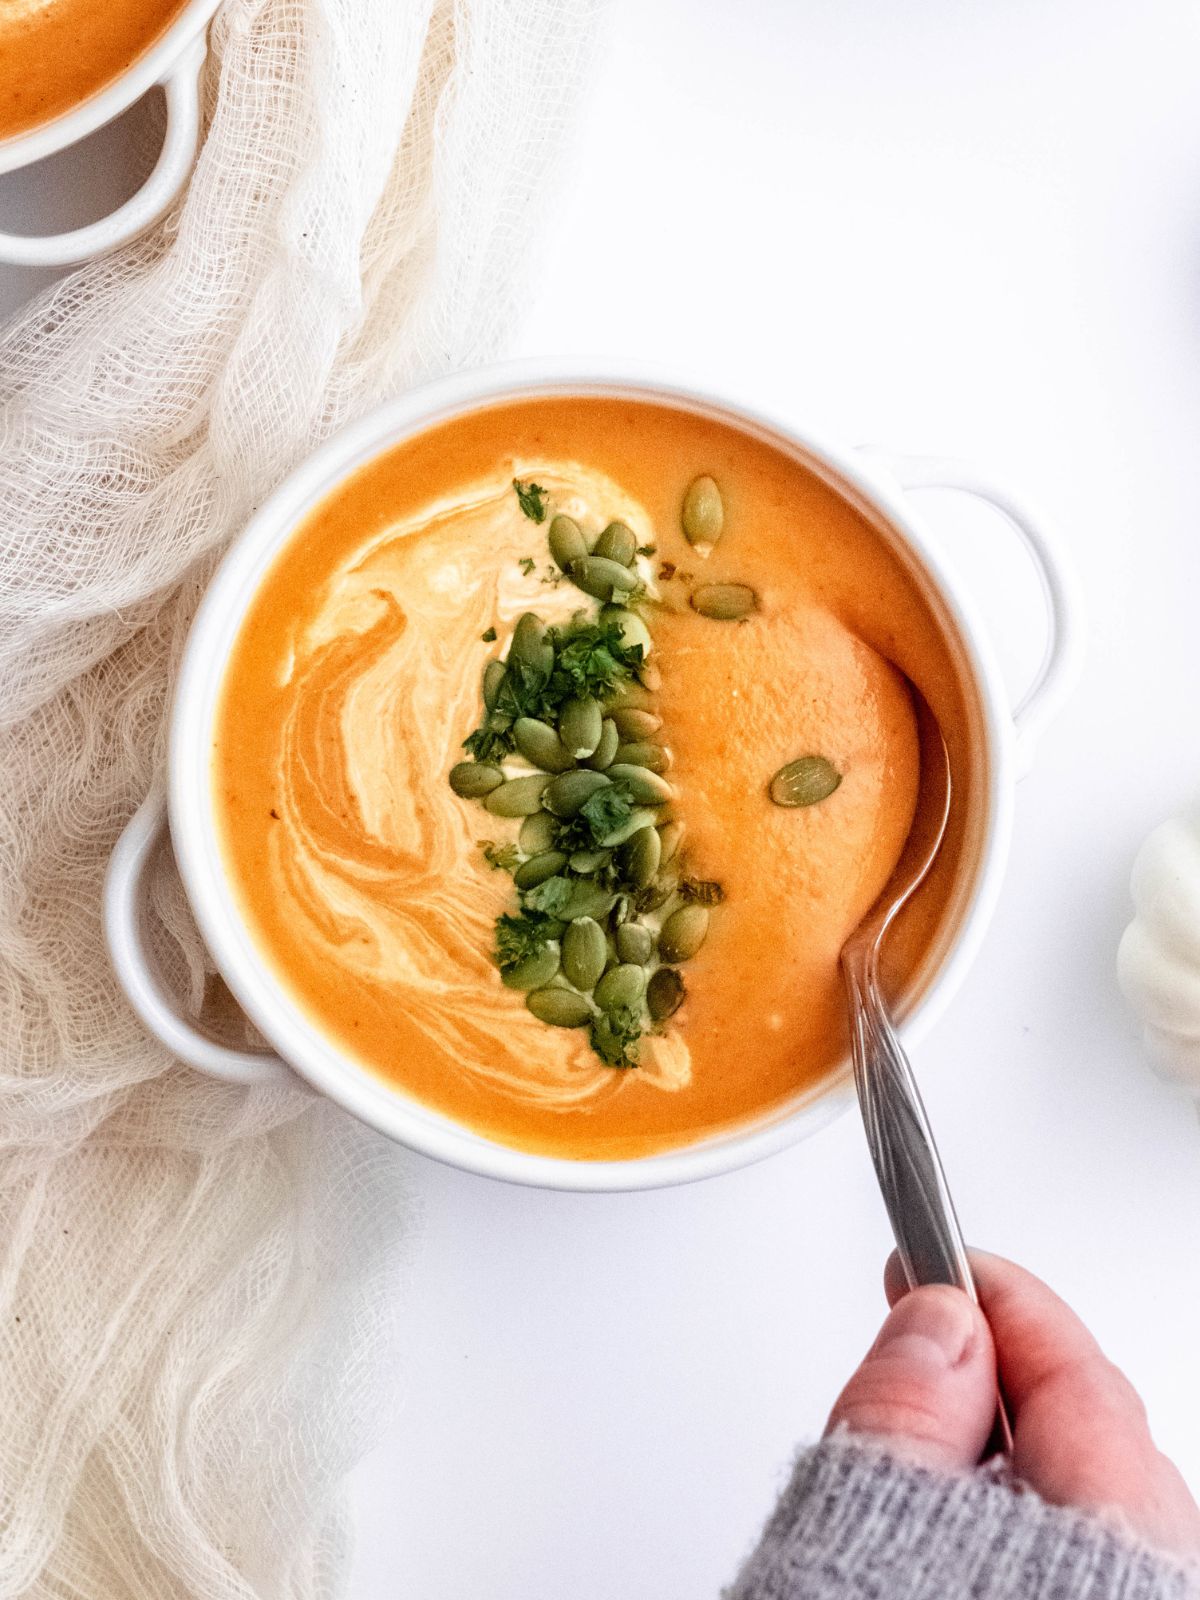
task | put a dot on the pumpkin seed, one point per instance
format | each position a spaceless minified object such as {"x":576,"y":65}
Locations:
{"x":597,"y":576}
{"x":617,"y":543}
{"x":639,"y":857}
{"x":534,"y":971}
{"x":532,"y":646}
{"x":564,"y":796}
{"x":567,"y":543}
{"x":649,"y":676}
{"x":804,"y":782}
{"x":584,"y":952}
{"x":538,"y":742}
{"x":634,"y":631}
{"x":580,"y":724}
{"x":538,"y":833}
{"x":664,"y":993}
{"x":630,"y":693}
{"x":493,"y":678}
{"x":621,"y":986}
{"x":703,"y":513}
{"x":724,"y":602}
{"x":605,"y":752}
{"x":538,"y":868}
{"x":633,"y":723}
{"x":474,"y":779}
{"x":561,"y":1008}
{"x":655,"y":895}
{"x":670,"y":833}
{"x":635,"y":943}
{"x":519,"y":797}
{"x":588,"y":862}
{"x":587,"y":900}
{"x":645,"y":787}
{"x":683,"y":933}
{"x":637,"y":820}
{"x":644,"y":754}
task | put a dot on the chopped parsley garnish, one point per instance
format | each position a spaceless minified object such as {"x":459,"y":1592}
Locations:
{"x":590,"y":660}
{"x":494,"y":738}
{"x":489,"y":637}
{"x":503,"y":856}
{"x":523,"y":935}
{"x":601,"y":814}
{"x":527,"y":563}
{"x":615,"y":1035}
{"x":533,"y":499}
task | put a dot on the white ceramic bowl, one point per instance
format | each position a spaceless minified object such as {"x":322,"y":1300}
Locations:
{"x":875,"y":486}
{"x":173,"y":64}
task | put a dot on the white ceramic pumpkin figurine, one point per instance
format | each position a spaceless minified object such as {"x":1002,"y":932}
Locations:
{"x":1158,"y":963}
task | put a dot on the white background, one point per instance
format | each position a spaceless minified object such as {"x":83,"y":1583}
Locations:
{"x":945,"y":225}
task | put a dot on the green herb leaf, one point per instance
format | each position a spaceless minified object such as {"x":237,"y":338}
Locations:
{"x":523,"y":935}
{"x":601,"y":814}
{"x":590,"y":661}
{"x":489,"y":637}
{"x":615,"y":1035}
{"x":503,"y":856}
{"x":494,"y":738}
{"x":527,"y":563}
{"x":533,"y":499}
{"x":551,"y":898}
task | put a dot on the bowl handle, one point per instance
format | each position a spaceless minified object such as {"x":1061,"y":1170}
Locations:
{"x":182,"y":88}
{"x":124,"y":933}
{"x":1062,"y":657}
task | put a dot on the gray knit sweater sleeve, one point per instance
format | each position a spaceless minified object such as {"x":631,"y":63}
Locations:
{"x":856,"y":1524}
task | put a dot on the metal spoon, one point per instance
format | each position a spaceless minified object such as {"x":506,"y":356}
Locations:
{"x":928,"y":1237}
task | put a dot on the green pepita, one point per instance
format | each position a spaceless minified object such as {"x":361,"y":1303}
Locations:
{"x":664,"y":994}
{"x":621,"y":986}
{"x":538,"y":743}
{"x":564,"y":796}
{"x":580,"y":725}
{"x":655,"y":895}
{"x":584,"y":952}
{"x":633,"y":724}
{"x":617,"y":543}
{"x":724,"y":602}
{"x":650,"y":677}
{"x":671,"y":833}
{"x":493,"y":678}
{"x":645,"y":787}
{"x":804,"y":782}
{"x":536,"y":969}
{"x":703,"y":513}
{"x":630,"y":693}
{"x":588,"y":862}
{"x":635,"y":943}
{"x":587,"y":900}
{"x":683,"y":933}
{"x":644,"y":754}
{"x":634,"y":632}
{"x":538,"y":833}
{"x":474,"y":779}
{"x":532,"y":646}
{"x":561,"y":1008}
{"x":605,"y":752}
{"x":538,"y":868}
{"x":519,"y":797}
{"x":639,"y":857}
{"x":567,"y":543}
{"x":637,"y":820}
{"x":602,"y":578}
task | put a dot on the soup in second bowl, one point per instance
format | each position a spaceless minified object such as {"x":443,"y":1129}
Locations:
{"x":561,"y":749}
{"x":54,"y":54}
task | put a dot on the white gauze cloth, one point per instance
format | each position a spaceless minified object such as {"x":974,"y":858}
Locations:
{"x":195,"y":1280}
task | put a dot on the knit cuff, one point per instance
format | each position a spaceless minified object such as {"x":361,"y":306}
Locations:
{"x":856,"y":1524}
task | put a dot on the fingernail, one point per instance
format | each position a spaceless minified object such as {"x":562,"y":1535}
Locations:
{"x":934,"y":1326}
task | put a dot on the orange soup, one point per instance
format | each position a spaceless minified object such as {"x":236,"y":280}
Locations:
{"x":492,"y":929}
{"x":54,"y":54}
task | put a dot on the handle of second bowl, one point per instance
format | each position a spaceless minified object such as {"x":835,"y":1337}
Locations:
{"x":182,"y":89}
{"x":1062,"y":657}
{"x":124,"y":933}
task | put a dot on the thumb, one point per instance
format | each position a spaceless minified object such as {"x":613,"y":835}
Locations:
{"x":927,"y":1387}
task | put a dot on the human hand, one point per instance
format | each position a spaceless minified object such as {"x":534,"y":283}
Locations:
{"x":927,"y":1388}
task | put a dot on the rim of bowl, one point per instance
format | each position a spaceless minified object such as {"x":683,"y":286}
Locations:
{"x":142,"y":74}
{"x":262,"y":994}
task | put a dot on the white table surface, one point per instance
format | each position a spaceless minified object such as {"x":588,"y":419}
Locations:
{"x":965,"y":228}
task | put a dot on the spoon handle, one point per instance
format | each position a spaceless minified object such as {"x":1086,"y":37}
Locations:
{"x":929,"y":1240}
